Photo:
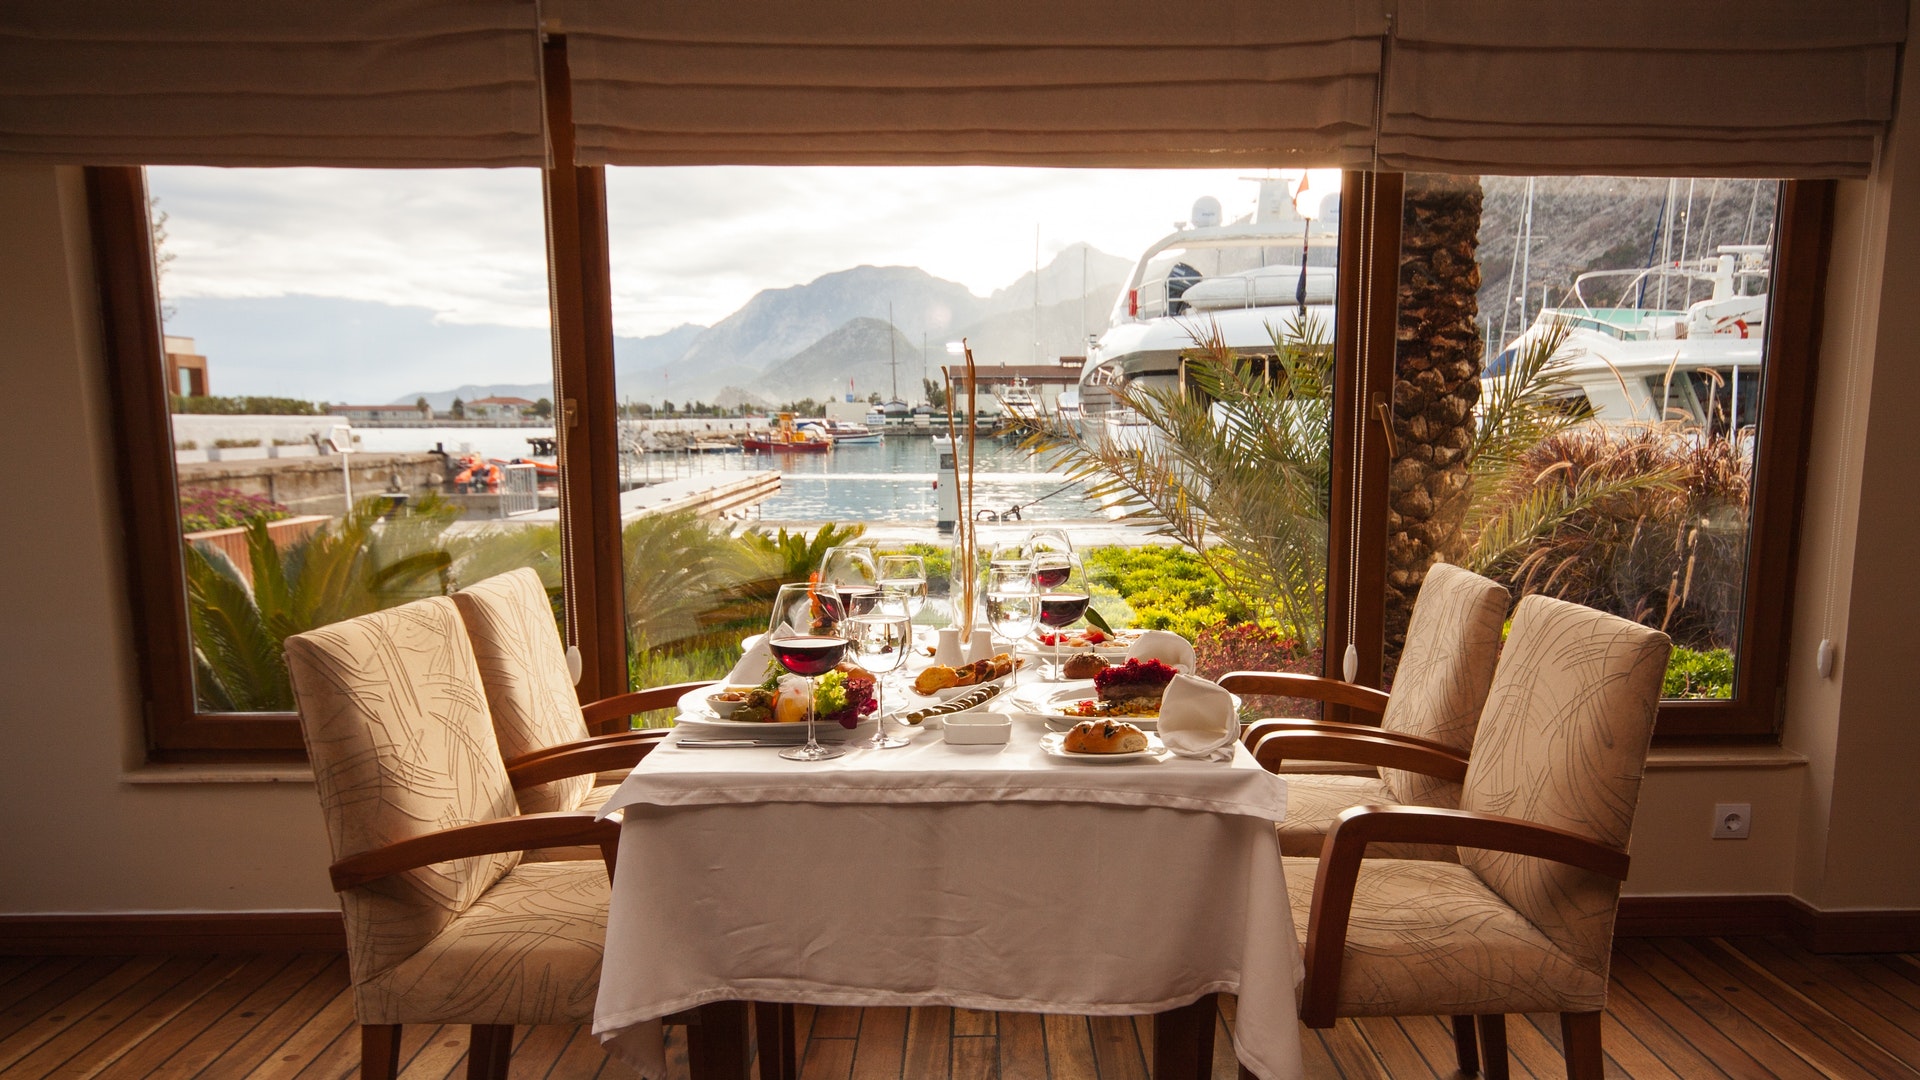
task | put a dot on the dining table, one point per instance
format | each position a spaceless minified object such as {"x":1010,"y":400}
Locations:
{"x":999,"y":877}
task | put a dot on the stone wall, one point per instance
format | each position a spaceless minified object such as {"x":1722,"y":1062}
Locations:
{"x":314,"y":485}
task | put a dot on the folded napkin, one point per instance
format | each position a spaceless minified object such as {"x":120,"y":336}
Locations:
{"x":1165,"y":646}
{"x":1197,"y":719}
{"x":752,"y":668}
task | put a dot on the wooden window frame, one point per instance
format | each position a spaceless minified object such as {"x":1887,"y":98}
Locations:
{"x":580,"y":292}
{"x":1757,"y":710}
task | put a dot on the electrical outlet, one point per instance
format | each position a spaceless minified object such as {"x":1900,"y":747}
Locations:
{"x":1732,"y":820}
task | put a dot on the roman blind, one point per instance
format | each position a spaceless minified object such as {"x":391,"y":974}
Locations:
{"x":1718,"y":88}
{"x":1007,"y":82}
{"x":271,"y":82}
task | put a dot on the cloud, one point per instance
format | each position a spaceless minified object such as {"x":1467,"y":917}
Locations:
{"x":688,"y":245}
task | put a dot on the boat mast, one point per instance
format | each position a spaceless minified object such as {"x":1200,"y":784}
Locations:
{"x":893,"y":362}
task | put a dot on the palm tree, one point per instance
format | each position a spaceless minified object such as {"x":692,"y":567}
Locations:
{"x":373,"y":558}
{"x":1238,"y":469}
{"x":1437,"y":366}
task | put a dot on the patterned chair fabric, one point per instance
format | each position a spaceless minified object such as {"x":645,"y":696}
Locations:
{"x":1453,"y":642}
{"x":396,"y":725}
{"x":1563,"y":742}
{"x":524,"y":667}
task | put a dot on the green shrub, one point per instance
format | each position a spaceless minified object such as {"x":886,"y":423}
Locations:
{"x":1703,"y":674}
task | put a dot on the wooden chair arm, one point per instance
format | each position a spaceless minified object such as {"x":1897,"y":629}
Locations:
{"x":1359,"y":748}
{"x":1346,"y":845}
{"x":600,"y":715}
{"x":1261,"y":728}
{"x":634,"y":736}
{"x":1317,"y":687}
{"x":522,"y":833}
{"x":574,"y":759}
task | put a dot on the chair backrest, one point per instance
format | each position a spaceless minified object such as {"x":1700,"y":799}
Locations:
{"x":1453,"y":642}
{"x":529,"y":689}
{"x":395,"y":721}
{"x":1563,"y":743}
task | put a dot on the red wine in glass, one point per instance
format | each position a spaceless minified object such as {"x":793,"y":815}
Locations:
{"x":808,"y":654}
{"x":848,"y":593}
{"x":1062,"y":609}
{"x":1052,"y":577}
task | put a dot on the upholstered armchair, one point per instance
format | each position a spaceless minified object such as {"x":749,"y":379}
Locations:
{"x":445,"y":923}
{"x":1523,"y":922}
{"x":537,"y":717}
{"x":548,"y":737}
{"x":1453,"y":641}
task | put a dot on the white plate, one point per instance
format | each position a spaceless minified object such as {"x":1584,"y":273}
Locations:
{"x":695,"y":710}
{"x":1052,"y":707}
{"x":1113,"y":648}
{"x":1054,"y":743}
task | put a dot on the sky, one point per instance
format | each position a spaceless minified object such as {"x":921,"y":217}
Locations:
{"x":689,"y":244}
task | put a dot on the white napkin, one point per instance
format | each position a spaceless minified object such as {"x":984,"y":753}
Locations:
{"x":752,"y":668}
{"x":1197,"y":719}
{"x":1165,"y":646}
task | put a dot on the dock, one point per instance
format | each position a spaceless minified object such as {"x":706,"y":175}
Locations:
{"x":709,"y":494}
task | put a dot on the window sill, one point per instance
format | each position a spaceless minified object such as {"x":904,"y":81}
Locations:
{"x":1674,"y":758}
{"x":238,"y":773}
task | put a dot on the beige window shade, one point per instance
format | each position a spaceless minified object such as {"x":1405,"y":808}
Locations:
{"x":1722,"y":88}
{"x":271,"y":82}
{"x":1081,"y":82}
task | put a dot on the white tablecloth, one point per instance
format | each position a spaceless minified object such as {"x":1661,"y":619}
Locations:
{"x":981,"y":877}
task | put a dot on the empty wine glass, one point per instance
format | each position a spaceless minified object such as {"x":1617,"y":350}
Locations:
{"x":850,"y":571}
{"x":879,"y":633}
{"x":1013,"y":607}
{"x":1062,"y":584}
{"x":805,"y":638}
{"x":905,"y":574}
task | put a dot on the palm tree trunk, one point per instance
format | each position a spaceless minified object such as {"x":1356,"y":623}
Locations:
{"x":1437,"y":367}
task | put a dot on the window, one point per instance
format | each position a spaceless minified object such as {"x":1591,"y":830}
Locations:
{"x":1643,"y":392}
{"x":1338,"y":527}
{"x":384,"y":423}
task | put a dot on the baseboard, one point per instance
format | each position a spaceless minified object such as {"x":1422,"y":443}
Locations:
{"x":1745,"y":916}
{"x":321,"y":931}
{"x":214,"y":932}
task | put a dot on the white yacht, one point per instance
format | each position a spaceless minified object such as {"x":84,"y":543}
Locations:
{"x":1682,"y":342}
{"x":1019,"y":400}
{"x":1248,"y":281}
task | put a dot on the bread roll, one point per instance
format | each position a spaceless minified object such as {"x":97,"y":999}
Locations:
{"x":1105,"y":737}
{"x":1084,"y":665}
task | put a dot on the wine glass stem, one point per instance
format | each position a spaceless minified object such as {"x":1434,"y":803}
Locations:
{"x":812,"y":743}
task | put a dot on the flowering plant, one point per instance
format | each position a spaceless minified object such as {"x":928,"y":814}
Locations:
{"x":204,"y":509}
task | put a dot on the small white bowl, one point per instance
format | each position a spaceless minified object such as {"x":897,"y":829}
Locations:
{"x":978,"y":729}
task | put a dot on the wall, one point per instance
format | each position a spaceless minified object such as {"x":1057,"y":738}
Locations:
{"x":78,"y":836}
{"x":74,"y":835}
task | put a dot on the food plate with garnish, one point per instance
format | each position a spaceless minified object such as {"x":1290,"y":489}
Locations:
{"x":1129,"y":692}
{"x":1109,"y":646}
{"x":1054,"y":744}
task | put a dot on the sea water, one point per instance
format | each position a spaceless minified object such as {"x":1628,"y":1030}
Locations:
{"x":888,"y":481}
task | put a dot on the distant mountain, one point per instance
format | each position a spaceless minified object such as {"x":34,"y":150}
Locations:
{"x":778,"y":323}
{"x":854,"y":355}
{"x":1008,"y":337}
{"x":636,"y":359}
{"x":442,"y":400}
{"x":357,"y":352}
{"x":1078,"y":270}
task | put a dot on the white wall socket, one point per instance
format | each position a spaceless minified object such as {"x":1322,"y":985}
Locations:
{"x":1732,"y":820}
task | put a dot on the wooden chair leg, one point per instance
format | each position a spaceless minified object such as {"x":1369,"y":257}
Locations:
{"x":489,"y":1048}
{"x":379,"y":1051}
{"x":717,"y":1041}
{"x":773,"y":1034}
{"x":1581,"y":1034}
{"x":1466,"y":1048}
{"x":1493,"y":1046}
{"x":1183,"y":1041}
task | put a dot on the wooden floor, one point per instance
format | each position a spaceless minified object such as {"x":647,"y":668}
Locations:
{"x":1680,"y":1009}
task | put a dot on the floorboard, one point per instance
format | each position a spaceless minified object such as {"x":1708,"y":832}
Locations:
{"x":1678,"y":1009}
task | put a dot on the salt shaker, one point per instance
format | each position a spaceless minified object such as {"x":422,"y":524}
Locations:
{"x":981,"y":646}
{"x":946,"y":649}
